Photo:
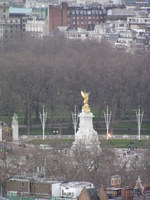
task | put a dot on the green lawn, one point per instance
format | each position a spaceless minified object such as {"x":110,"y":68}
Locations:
{"x":114,"y":143}
{"x":123,"y":143}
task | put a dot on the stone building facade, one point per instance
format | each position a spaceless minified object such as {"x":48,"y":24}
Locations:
{"x":8,"y":27}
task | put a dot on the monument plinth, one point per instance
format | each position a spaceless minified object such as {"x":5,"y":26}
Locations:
{"x":86,"y":135}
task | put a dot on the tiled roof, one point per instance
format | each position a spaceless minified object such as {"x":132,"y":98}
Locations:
{"x":93,"y":194}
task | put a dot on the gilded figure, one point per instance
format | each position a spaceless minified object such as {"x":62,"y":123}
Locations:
{"x":85,"y":106}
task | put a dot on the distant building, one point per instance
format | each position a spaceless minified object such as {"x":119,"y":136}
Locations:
{"x":120,"y":14}
{"x":22,"y":14}
{"x":8,"y":27}
{"x":89,"y":194}
{"x":73,"y":189}
{"x":115,"y":191}
{"x":75,"y":16}
{"x":146,"y":192}
{"x":127,"y":193}
{"x":29,"y":187}
{"x":17,"y":3}
{"x":33,"y":20}
{"x":138,"y":189}
{"x":37,"y":23}
{"x":116,"y":181}
{"x":39,"y":3}
{"x":44,"y":189}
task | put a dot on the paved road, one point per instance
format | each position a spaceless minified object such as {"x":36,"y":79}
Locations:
{"x":131,"y":137}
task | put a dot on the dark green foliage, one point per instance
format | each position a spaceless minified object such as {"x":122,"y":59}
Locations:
{"x":53,"y":71}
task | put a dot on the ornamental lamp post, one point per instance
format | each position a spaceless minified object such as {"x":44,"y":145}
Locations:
{"x":75,"y":120}
{"x":139,"y":117}
{"x":43,"y":117}
{"x":107,"y":117}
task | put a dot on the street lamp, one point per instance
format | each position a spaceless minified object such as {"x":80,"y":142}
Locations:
{"x":107,"y":117}
{"x":139,"y":117}
{"x":43,"y":117}
{"x":75,"y":120}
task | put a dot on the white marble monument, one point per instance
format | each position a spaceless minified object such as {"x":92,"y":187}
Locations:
{"x":86,"y":135}
{"x":15,"y":128}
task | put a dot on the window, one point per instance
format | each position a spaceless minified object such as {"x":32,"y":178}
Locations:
{"x":89,"y":12}
{"x":84,"y":12}
{"x":24,"y":20}
{"x":22,"y":184}
{"x":77,"y":12}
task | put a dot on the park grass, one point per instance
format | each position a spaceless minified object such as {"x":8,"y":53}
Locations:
{"x":113,"y":143}
{"x":123,"y":143}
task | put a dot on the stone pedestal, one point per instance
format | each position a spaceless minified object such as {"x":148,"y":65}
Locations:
{"x":86,"y":135}
{"x":15,"y":128}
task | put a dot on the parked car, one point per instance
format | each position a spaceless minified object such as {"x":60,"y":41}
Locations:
{"x":46,"y":147}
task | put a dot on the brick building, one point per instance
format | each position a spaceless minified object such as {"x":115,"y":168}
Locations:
{"x":74,"y":17}
{"x":127,"y":193}
{"x":29,"y":187}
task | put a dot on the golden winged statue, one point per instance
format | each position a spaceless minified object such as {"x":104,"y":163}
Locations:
{"x":85,"y":106}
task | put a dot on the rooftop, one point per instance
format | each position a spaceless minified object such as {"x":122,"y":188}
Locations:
{"x":38,"y":180}
{"x":78,"y":184}
{"x":26,"y":11}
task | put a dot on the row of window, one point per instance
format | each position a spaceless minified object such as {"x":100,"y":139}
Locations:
{"x":14,"y":21}
{"x":36,"y":29}
{"x":86,"y":22}
{"x":67,"y":194}
{"x":84,"y":12}
{"x":139,"y":20}
{"x":13,"y":26}
{"x":7,"y":31}
{"x":87,"y":17}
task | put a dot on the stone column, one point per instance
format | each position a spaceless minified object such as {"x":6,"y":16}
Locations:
{"x":15,"y":128}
